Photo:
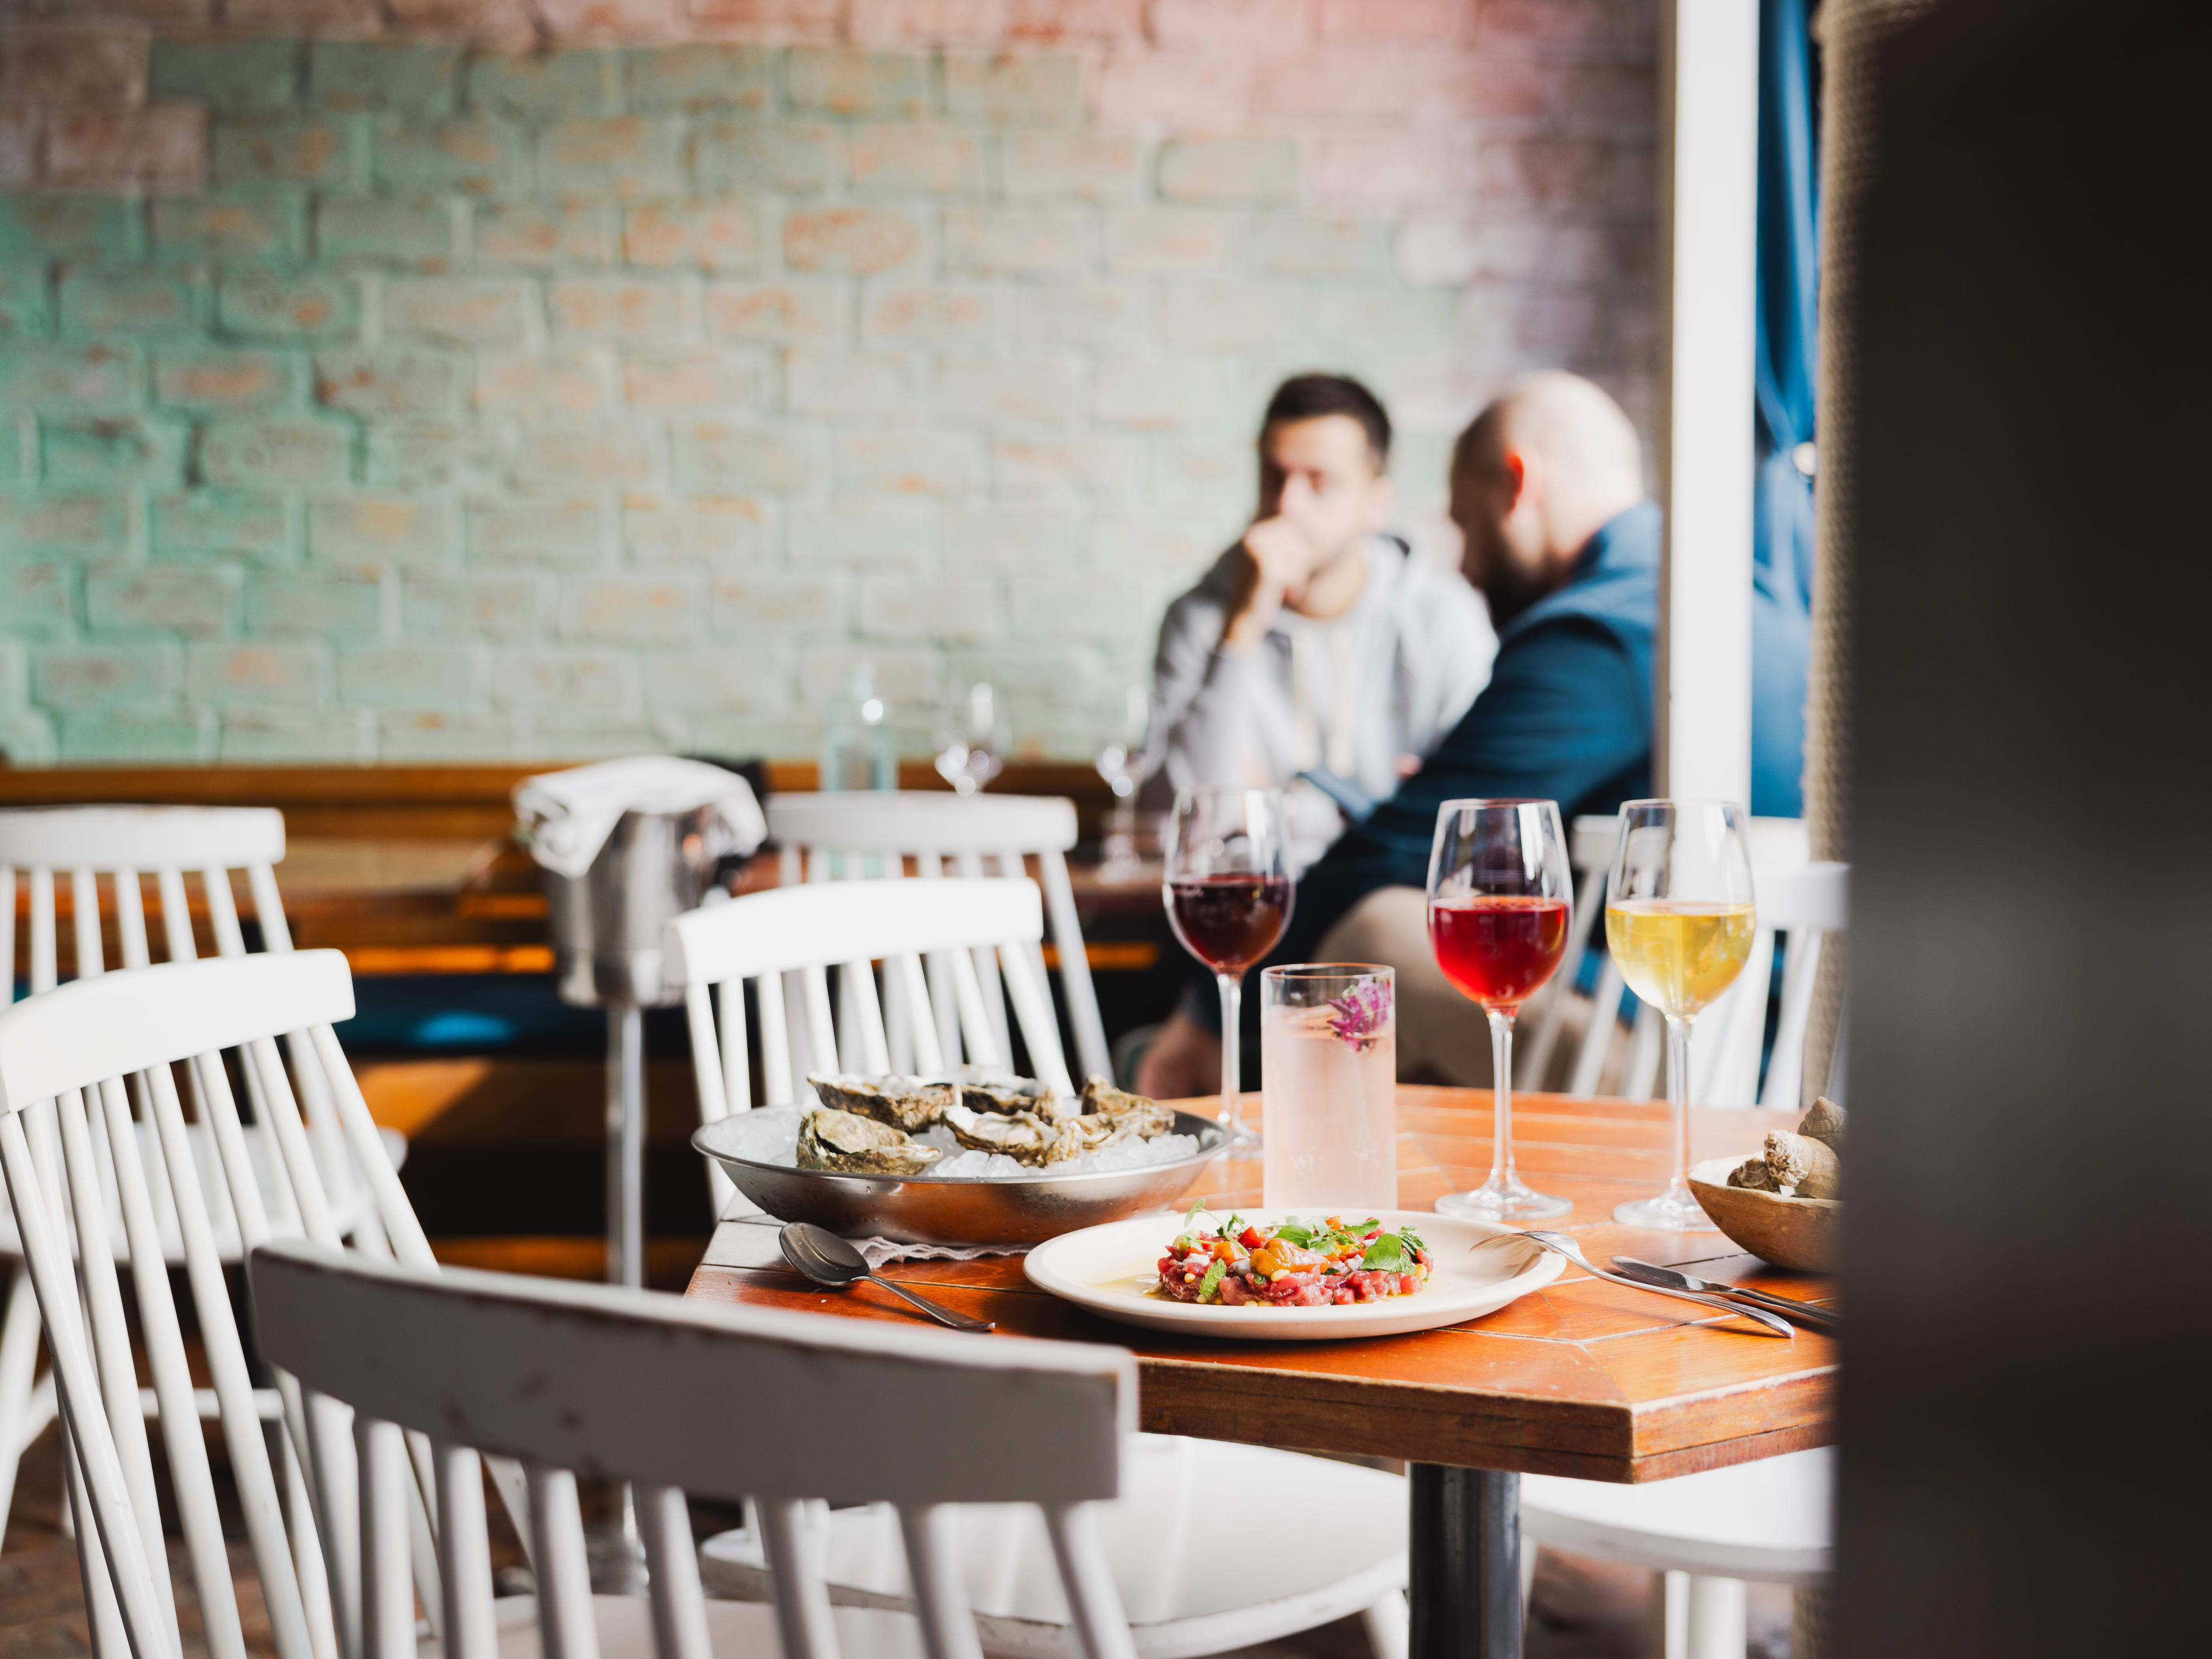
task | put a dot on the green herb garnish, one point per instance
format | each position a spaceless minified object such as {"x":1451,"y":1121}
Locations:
{"x":1388,"y":1254}
{"x":1211,"y":1282}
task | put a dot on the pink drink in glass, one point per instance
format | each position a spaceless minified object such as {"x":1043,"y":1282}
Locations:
{"x":1328,"y":1058}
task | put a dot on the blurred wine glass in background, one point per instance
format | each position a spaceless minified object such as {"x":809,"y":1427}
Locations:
{"x":1121,"y":763}
{"x":972,"y":738}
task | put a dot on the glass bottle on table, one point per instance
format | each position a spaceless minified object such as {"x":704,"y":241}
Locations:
{"x":1227,"y":895}
{"x":1678,"y":919}
{"x":1499,"y":893}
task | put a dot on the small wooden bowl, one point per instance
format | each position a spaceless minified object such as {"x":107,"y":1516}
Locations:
{"x":1803,"y":1233}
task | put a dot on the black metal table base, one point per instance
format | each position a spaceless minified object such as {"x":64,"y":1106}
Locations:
{"x":1466,"y":1565}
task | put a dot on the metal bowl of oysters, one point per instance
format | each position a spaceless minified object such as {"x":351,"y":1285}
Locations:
{"x":862,"y":1162}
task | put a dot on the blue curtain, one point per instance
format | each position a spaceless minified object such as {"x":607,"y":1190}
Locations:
{"x":1788,"y":283}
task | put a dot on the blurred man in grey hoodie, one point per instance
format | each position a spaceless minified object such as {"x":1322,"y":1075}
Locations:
{"x":1316,"y":648}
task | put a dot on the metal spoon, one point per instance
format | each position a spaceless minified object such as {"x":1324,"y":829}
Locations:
{"x":828,"y":1259}
{"x":1803,"y":1313}
{"x":1560,"y":1244}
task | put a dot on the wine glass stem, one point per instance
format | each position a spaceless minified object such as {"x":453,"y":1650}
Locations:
{"x":1232,"y":1045}
{"x":1678,"y":1101}
{"x":1501,"y":1097}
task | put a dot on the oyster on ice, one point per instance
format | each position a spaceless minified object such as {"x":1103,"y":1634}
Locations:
{"x":995,"y":1089}
{"x":849,"y":1144}
{"x":1130,"y":1114}
{"x":904,"y":1102}
{"x":1023,"y":1136}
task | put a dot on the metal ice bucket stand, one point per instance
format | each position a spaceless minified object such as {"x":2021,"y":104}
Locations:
{"x":606,"y":939}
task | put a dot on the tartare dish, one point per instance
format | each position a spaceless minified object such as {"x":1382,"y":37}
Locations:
{"x":1295,"y":1264}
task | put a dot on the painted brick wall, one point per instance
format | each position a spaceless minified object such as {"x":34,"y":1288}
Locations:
{"x":416,"y":380}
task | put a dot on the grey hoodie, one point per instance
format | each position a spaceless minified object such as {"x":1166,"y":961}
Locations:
{"x":1350,"y":695}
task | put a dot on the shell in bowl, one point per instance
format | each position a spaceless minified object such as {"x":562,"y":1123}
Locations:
{"x":1801,"y":1233}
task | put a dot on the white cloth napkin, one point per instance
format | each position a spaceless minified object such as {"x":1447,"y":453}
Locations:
{"x":750,"y":1241}
{"x":566,"y":816}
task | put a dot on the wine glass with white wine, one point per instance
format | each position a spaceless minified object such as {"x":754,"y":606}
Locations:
{"x":1678,"y":919}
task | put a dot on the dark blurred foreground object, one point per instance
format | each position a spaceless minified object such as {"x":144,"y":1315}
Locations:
{"x":2028,"y":1460}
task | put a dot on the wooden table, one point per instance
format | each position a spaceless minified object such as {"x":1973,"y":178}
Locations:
{"x":1584,"y":1378}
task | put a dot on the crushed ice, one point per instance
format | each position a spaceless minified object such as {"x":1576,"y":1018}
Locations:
{"x":997,"y":1166}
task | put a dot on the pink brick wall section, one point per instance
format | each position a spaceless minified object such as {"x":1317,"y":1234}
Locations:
{"x":520,"y":393}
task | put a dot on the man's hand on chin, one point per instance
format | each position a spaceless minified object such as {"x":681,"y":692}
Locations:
{"x":1278,"y":557}
{"x":1184,"y":1059}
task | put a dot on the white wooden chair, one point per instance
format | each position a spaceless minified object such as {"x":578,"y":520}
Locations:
{"x":1767,"y":1521}
{"x":74,"y":1063}
{"x":654,"y":1388}
{"x":869,"y":834}
{"x":1798,"y":899}
{"x":803,"y":931}
{"x":1710,"y":1534}
{"x":112,"y":851}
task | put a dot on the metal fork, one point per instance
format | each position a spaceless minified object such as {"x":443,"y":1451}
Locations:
{"x":1560,"y":1244}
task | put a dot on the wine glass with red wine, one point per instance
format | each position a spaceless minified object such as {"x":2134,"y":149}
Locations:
{"x":1228,"y":892}
{"x":1498,"y":896}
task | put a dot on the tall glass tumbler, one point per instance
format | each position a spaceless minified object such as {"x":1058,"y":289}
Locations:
{"x":1328,"y":1078}
{"x":1498,"y":895}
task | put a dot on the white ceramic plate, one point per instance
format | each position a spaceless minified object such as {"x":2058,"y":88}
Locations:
{"x":1111,"y":1270}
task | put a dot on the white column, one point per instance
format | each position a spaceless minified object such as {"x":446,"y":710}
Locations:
{"x":1708,"y":218}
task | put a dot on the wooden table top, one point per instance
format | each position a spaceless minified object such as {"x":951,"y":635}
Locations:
{"x":1582,"y":1378}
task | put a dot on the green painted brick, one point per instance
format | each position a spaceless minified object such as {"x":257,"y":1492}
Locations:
{"x":625,"y":155}
{"x":543,"y":84}
{"x":164,"y":598}
{"x":239,"y":76}
{"x":64,"y":227}
{"x":72,"y":678}
{"x":790,"y":157}
{"x":24,"y":308}
{"x":838,"y":81}
{"x":415,"y":77}
{"x":475,"y":157}
{"x":414,"y":455}
{"x":131,"y":735}
{"x":248,"y":152}
{"x":231,"y":673}
{"x":273,"y":451}
{"x":124,"y":450}
{"x":78,"y":379}
{"x":198,"y":524}
{"x":62,"y":521}
{"x":391,"y":381}
{"x":210,"y":380}
{"x":39,"y":599}
{"x":341,"y":607}
{"x":253,"y":228}
{"x":694,"y":78}
{"x":1016,"y":90}
{"x":545,"y":234}
{"x":297,"y":737}
{"x":15,"y":432}
{"x":362,"y":230}
{"x":449,"y":677}
{"x":296,"y":304}
{"x":98,"y":303}
{"x":408,"y":531}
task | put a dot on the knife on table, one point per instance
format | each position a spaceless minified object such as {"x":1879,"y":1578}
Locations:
{"x":1811,"y":1317}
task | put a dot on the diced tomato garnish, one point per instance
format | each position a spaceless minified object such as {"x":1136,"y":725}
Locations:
{"x":1251,"y":1238}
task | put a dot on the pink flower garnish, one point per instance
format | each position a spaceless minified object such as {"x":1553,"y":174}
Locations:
{"x":1359,"y":1017}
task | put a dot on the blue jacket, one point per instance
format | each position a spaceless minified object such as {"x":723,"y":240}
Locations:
{"x":1566,"y":717}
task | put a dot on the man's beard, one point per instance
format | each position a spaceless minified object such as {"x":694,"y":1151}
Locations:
{"x":1509,"y":589}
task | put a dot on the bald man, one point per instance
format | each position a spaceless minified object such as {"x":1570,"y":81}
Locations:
{"x":1547,"y":488}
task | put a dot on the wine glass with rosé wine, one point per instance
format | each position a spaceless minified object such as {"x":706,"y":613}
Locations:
{"x":1228,"y":892}
{"x":1498,"y":896}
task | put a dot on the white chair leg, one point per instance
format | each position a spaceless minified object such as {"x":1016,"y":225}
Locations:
{"x":19,"y":1358}
{"x":1706,"y":1617}
{"x":1388,"y":1627}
